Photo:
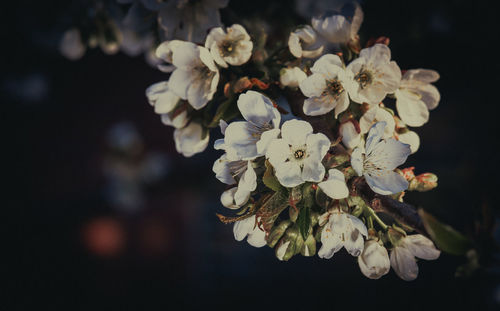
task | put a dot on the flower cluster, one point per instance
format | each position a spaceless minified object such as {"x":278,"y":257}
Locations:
{"x":314,"y":132}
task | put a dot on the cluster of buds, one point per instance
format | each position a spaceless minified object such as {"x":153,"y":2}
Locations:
{"x":304,"y":124}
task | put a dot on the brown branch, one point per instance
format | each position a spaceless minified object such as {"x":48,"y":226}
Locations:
{"x":402,"y":212}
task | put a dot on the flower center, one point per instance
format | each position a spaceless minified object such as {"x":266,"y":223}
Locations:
{"x":299,"y":154}
{"x":364,"y":78}
{"x":333,"y":88}
{"x":227,"y":47}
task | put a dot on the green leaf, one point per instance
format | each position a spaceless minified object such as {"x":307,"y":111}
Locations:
{"x":446,"y":238}
{"x":304,"y":221}
{"x":270,"y":179}
{"x":226,"y":111}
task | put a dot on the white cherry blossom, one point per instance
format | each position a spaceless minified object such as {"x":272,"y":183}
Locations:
{"x":342,"y":230}
{"x":374,"y":74}
{"x":195,"y":77}
{"x":304,"y":42}
{"x":292,"y":76}
{"x":249,"y":139}
{"x":247,"y":228}
{"x":403,"y":255}
{"x":166,"y":103}
{"x":378,"y":161}
{"x":416,"y":96}
{"x":233,"y":47}
{"x":374,"y":260}
{"x":327,"y":87}
{"x":191,"y":139}
{"x":338,"y":28}
{"x":335,"y":186}
{"x":297,"y":155}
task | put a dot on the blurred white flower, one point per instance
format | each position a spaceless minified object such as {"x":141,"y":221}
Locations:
{"x":416,"y":96}
{"x":195,"y":77}
{"x":297,"y":155}
{"x":374,"y":260}
{"x":337,"y":28}
{"x":247,"y":140}
{"x":342,"y":230}
{"x":187,"y":19}
{"x":304,"y":42}
{"x":233,"y":47}
{"x":377,"y":114}
{"x":167,"y":104}
{"x":248,"y":227}
{"x":232,"y":172}
{"x":378,"y":161}
{"x":327,"y":87}
{"x":292,"y":76}
{"x":403,"y":255}
{"x":351,"y":136}
{"x":335,"y":186}
{"x":71,"y":45}
{"x":374,"y":74}
{"x":191,"y":139}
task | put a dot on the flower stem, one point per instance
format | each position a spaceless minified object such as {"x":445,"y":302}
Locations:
{"x":372,"y":215}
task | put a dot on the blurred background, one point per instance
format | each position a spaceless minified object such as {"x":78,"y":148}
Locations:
{"x":106,"y":214}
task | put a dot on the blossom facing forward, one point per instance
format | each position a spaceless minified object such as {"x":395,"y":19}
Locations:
{"x":327,"y":87}
{"x":403,"y":255}
{"x":232,"y":47}
{"x":379,"y":159}
{"x":374,"y":75}
{"x":297,"y":155}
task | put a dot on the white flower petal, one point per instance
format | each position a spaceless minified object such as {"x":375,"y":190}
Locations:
{"x":329,"y":65}
{"x":265,"y":139}
{"x":243,"y":227}
{"x":387,"y":182}
{"x":277,"y":152}
{"x":335,"y":187}
{"x":358,"y":224}
{"x":411,"y":109}
{"x":313,"y":170}
{"x":179,"y":82}
{"x":357,"y":160}
{"x":257,"y":238}
{"x":374,"y":136}
{"x":422,"y":75}
{"x":329,"y":246}
{"x":257,"y":108}
{"x":189,"y":141}
{"x":389,"y":154}
{"x":404,"y":264}
{"x":314,"y":85}
{"x":421,"y":247}
{"x":288,"y":174}
{"x":354,"y":242}
{"x":227,"y":198}
{"x":295,"y":132}
{"x":350,"y":136}
{"x":411,"y":138}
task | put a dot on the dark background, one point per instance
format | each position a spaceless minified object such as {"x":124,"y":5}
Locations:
{"x":171,"y":252}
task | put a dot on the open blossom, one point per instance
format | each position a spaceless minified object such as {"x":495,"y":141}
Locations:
{"x":232,"y":172}
{"x":374,"y":74}
{"x":377,"y":114}
{"x":327,"y":87}
{"x":403,"y":255}
{"x":292,"y":76}
{"x":342,"y":230}
{"x":297,"y":155}
{"x":416,"y":96}
{"x":337,"y":28}
{"x":378,"y":161}
{"x":233,"y":47}
{"x":304,"y":42}
{"x":172,"y":108}
{"x":335,"y":186}
{"x":247,"y":228}
{"x":195,"y":76}
{"x":249,"y":139}
{"x":374,"y":260}
{"x":191,"y":139}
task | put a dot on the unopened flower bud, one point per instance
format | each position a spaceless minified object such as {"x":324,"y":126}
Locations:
{"x":277,"y":232}
{"x":374,"y":260}
{"x":292,"y":76}
{"x":408,"y":173}
{"x":424,"y":182}
{"x":350,"y":133}
{"x":309,"y":247}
